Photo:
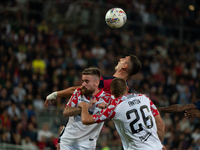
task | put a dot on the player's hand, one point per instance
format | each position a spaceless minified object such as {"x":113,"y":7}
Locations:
{"x":102,"y":105}
{"x":192,"y":113}
{"x":82,"y":104}
{"x":51,"y":97}
{"x":92,"y":103}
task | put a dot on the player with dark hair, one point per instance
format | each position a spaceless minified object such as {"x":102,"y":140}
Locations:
{"x":132,"y":116}
{"x":191,"y":110}
{"x":75,"y":135}
{"x":126,"y":67}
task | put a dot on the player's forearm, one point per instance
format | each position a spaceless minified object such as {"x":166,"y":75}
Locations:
{"x":71,"y":111}
{"x":86,"y":118}
{"x":171,"y":109}
{"x":67,"y":92}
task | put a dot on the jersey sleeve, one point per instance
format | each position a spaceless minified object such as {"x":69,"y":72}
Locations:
{"x":107,"y":113}
{"x":153,"y":109}
{"x":197,"y":104}
{"x":73,"y":101}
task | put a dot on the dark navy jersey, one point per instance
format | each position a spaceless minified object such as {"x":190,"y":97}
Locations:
{"x":197,"y":104}
{"x":105,"y":83}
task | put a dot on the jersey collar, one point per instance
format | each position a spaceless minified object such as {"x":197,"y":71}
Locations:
{"x":124,"y":97}
{"x":98,"y":94}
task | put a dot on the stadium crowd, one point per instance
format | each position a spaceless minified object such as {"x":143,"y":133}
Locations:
{"x":38,"y":57}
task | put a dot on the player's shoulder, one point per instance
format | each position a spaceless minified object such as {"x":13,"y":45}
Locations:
{"x":138,"y":96}
{"x":77,"y":91}
{"x":105,"y":95}
{"x":141,"y":95}
{"x":118,"y":100}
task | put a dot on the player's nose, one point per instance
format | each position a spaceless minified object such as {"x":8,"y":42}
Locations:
{"x":83,"y":84}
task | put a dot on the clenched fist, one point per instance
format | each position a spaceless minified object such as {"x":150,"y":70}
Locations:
{"x":51,"y":97}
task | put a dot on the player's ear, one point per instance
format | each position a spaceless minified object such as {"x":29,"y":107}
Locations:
{"x":111,"y":92}
{"x":125,"y":66}
{"x":97,"y":82}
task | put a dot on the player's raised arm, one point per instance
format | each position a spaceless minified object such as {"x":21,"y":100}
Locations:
{"x":63,"y":93}
{"x":176,"y":108}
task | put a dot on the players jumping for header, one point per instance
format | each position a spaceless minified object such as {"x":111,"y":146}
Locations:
{"x":126,"y":67}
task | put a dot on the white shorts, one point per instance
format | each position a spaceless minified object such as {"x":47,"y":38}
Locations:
{"x":73,"y":147}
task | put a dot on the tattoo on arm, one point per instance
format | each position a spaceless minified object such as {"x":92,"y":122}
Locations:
{"x":71,"y":111}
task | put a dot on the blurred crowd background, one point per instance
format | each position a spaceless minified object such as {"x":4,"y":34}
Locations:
{"x":45,"y":45}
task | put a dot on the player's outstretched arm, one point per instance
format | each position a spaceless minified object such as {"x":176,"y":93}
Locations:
{"x":160,"y":127}
{"x":63,"y":93}
{"x":67,"y":92}
{"x":176,"y":108}
{"x":86,"y":118}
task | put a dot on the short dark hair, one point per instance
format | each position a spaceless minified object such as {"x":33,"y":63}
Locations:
{"x":134,"y":66}
{"x":92,"y":71}
{"x":118,"y":87}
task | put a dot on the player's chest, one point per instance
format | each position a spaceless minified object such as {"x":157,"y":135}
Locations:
{"x":94,"y":109}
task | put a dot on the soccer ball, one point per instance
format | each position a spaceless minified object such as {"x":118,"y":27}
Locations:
{"x":115,"y":17}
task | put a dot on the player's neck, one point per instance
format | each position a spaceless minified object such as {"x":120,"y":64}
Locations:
{"x":95,"y":92}
{"x":121,"y":74}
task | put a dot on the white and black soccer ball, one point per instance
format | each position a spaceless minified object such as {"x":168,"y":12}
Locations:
{"x":115,"y":17}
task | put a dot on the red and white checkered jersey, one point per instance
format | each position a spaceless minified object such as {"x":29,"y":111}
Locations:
{"x":75,"y":132}
{"x":134,"y":121}
{"x":109,"y":112}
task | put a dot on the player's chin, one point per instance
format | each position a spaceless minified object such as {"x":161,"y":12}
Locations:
{"x":86,"y":92}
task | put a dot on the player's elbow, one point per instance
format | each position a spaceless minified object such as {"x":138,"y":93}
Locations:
{"x":85,"y":121}
{"x":65,"y":114}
